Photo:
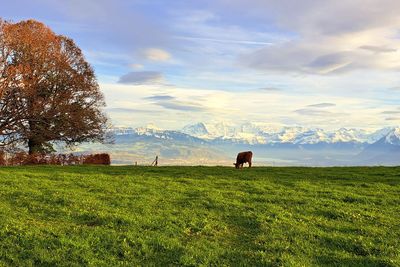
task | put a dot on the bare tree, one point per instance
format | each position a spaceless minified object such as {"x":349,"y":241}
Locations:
{"x":48,"y":92}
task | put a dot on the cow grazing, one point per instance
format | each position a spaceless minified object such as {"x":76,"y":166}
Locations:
{"x":242,"y":158}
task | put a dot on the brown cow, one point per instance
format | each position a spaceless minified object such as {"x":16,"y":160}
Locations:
{"x":242,"y":158}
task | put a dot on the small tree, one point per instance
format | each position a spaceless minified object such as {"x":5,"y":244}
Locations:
{"x":48,"y":92}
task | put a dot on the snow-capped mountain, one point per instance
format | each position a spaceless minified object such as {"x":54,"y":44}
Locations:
{"x":198,"y":130}
{"x":385,"y":151}
{"x":249,"y":133}
{"x":349,"y":135}
{"x":151,"y":132}
{"x":261,"y":134}
{"x":389,"y":142}
{"x":122,"y":130}
{"x":393,"y":137}
{"x":379,"y":134}
{"x":149,"y":128}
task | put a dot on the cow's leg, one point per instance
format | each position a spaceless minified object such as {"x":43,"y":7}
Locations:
{"x":249,"y":164}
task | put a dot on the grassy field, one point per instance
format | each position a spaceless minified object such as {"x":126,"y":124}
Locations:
{"x":129,"y":216}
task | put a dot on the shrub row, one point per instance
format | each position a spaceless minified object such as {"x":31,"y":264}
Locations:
{"x":23,"y":158}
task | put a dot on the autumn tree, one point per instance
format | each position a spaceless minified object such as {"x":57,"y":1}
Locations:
{"x":48,"y":92}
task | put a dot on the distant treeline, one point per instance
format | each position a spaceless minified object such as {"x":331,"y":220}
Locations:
{"x":23,"y":158}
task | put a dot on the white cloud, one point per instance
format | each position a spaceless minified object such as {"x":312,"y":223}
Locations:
{"x":156,"y":54}
{"x":329,"y":54}
{"x":322,"y":105}
{"x":185,"y":105}
{"x":136,"y":66}
{"x":393,"y":119}
{"x":328,"y":37}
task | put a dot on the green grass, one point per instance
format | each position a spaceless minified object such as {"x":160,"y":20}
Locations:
{"x":190,"y":216}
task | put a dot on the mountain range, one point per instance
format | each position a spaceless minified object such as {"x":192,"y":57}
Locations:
{"x":257,"y":134}
{"x":218,"y":143}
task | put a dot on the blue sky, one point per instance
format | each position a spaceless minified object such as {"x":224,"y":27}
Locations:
{"x":325,"y":64}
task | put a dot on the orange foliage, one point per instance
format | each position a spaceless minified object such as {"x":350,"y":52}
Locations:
{"x":101,"y":159}
{"x":23,"y":158}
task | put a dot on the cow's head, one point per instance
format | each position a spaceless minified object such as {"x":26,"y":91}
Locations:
{"x":236,"y":165}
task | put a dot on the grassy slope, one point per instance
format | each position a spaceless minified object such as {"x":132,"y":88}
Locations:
{"x":199,"y":215}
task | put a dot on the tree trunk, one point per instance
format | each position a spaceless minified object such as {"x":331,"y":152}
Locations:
{"x":32,"y":143}
{"x":33,"y":146}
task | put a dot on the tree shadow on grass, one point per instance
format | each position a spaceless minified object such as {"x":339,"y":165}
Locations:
{"x":242,"y":240}
{"x":333,"y":260}
{"x":342,"y":244}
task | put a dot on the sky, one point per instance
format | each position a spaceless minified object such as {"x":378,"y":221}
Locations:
{"x":323,"y":64}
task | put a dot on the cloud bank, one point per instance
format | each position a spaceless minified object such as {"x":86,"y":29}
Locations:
{"x":141,"y":77}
